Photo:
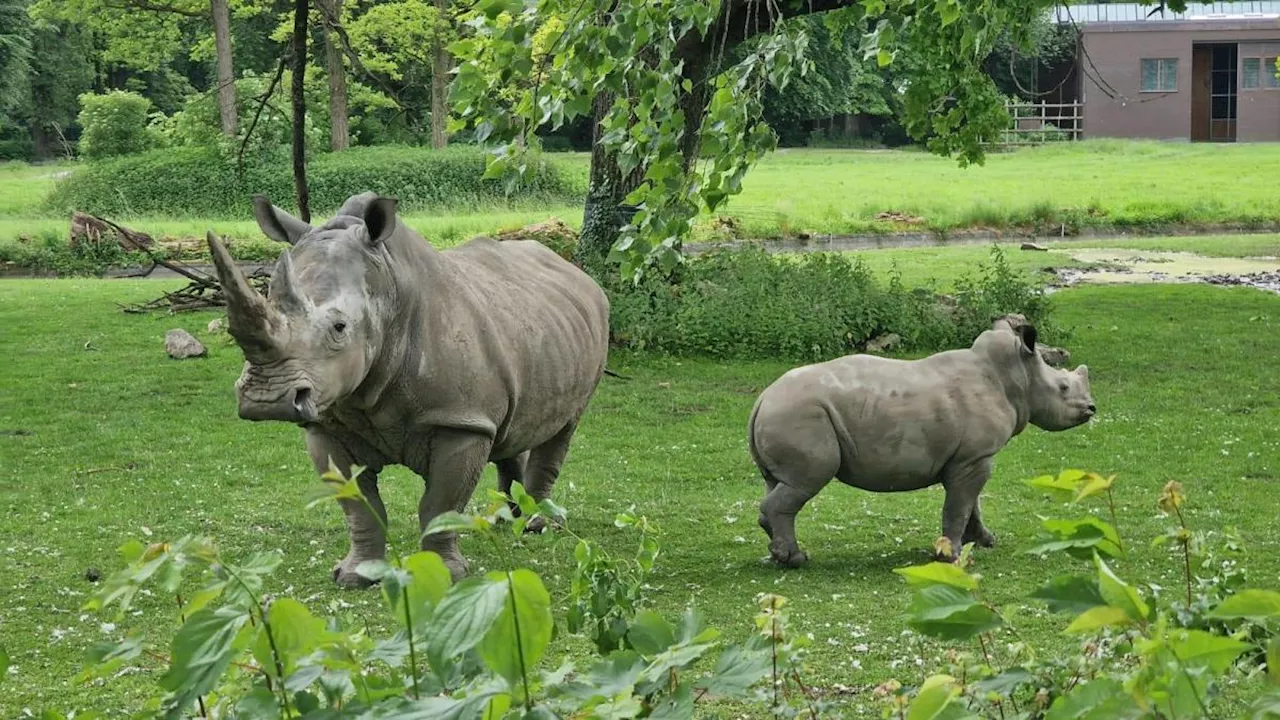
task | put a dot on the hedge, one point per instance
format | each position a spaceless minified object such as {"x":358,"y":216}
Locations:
{"x":199,"y":182}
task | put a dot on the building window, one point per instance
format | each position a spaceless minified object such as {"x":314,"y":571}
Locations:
{"x":1269,"y":79}
{"x":1159,"y":74}
{"x":1251,"y":74}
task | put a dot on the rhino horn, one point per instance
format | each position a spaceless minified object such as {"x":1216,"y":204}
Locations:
{"x":249,"y":320}
{"x":284,"y":286}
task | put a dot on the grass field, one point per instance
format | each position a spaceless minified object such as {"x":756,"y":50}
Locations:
{"x":1106,"y":183}
{"x":118,"y":441}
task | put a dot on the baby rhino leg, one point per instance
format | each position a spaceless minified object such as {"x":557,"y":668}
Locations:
{"x":795,"y":469}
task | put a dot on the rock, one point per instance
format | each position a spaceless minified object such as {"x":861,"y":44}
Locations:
{"x":883,"y":342}
{"x":215,"y":325}
{"x":181,"y":345}
{"x":1033,"y":246}
{"x":1054,"y":356}
{"x":93,"y":574}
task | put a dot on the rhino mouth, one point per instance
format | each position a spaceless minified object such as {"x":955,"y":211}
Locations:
{"x":293,"y":401}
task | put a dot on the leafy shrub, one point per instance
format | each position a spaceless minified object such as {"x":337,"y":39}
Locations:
{"x":745,"y":303}
{"x":200,"y":181}
{"x":51,"y":254}
{"x":114,"y":124}
{"x":465,"y":650}
{"x":1163,"y":656}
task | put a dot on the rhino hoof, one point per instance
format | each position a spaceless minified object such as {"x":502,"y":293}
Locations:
{"x":350,"y":579}
{"x":792,"y":557}
{"x":985,"y":539}
{"x":536,"y":526}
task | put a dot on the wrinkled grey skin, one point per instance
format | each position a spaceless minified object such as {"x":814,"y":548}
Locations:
{"x":888,"y":425}
{"x":388,"y":351}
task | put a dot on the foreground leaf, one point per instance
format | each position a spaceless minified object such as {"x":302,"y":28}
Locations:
{"x":462,"y":618}
{"x":202,"y":649}
{"x":1006,"y":682}
{"x":1119,"y":594}
{"x":650,"y":633}
{"x":1094,"y":485}
{"x":294,"y":631}
{"x":937,"y":573}
{"x":1249,"y":604}
{"x":739,"y":667}
{"x":1080,"y":538}
{"x":1102,"y":699}
{"x":1199,"y":649}
{"x":935,"y":694}
{"x":948,"y":613}
{"x":1070,"y":593}
{"x":1097,"y":618}
{"x":517,"y":640}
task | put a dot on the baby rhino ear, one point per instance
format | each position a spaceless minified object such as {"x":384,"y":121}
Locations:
{"x":380,"y":219}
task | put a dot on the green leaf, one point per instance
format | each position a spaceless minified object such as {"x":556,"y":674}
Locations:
{"x":1101,"y":699}
{"x":331,"y":490}
{"x":426,"y":580}
{"x":935,"y":694}
{"x":948,"y":613}
{"x":4,"y":664}
{"x":450,"y":522}
{"x":677,"y":705}
{"x":739,"y":667}
{"x":949,"y":11}
{"x":1070,"y":593}
{"x":616,"y":674}
{"x":516,"y":641}
{"x":258,"y":704}
{"x":479,"y":706}
{"x":1249,"y":604}
{"x":1080,"y":538}
{"x":650,"y":633}
{"x":1266,"y":707}
{"x":1006,"y":682}
{"x":528,"y":506}
{"x":1098,"y":617}
{"x":1273,"y":661}
{"x":1198,"y":649}
{"x":1063,"y":487}
{"x":107,"y":657}
{"x":937,"y":573}
{"x":1094,"y":485}
{"x":1119,"y":594}
{"x":463,"y":617}
{"x":295,"y":632}
{"x":201,"y":651}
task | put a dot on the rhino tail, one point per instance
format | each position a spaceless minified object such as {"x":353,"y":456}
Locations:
{"x":611,"y":373}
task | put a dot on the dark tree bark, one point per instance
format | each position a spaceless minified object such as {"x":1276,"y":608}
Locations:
{"x":604,"y":213}
{"x":339,"y":125}
{"x":440,"y":67}
{"x":226,"y":68}
{"x":300,"y":11}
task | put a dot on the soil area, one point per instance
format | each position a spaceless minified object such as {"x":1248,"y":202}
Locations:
{"x":1113,"y":266}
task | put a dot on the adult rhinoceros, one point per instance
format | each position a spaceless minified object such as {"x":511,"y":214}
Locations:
{"x":890,"y":425}
{"x":388,"y":351}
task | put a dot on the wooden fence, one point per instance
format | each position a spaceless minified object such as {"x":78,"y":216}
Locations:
{"x":1042,"y":122}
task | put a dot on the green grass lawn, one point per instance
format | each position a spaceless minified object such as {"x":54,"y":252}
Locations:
{"x":841,"y":191}
{"x":103,"y":439}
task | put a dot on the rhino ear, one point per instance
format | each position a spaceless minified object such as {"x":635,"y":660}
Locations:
{"x":380,"y":219}
{"x":1028,"y":335}
{"x":1083,"y":371}
{"x":276,"y":223}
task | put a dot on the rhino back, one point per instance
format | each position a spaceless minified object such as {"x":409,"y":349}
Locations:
{"x":898,"y":423}
{"x":516,"y":338}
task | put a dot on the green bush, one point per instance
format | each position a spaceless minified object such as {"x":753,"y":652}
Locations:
{"x":51,"y":254}
{"x":114,"y":124}
{"x":205,"y":182}
{"x":745,"y":303}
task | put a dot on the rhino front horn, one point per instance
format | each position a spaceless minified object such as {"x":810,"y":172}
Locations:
{"x":249,"y":319}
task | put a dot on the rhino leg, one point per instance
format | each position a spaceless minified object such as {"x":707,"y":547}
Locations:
{"x":456,"y":460}
{"x":963,"y":485}
{"x":543,"y":470}
{"x":368,"y":542}
{"x":779,"y":509}
{"x":512,"y":471}
{"x":975,"y":531}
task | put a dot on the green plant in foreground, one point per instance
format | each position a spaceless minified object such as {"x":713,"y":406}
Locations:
{"x":1153,"y":658}
{"x":465,"y":650}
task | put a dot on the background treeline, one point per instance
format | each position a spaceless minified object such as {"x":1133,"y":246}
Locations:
{"x":104,"y":78}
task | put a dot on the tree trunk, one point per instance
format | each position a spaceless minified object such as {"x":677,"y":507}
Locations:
{"x":440,"y":66}
{"x":226,"y":67}
{"x":339,"y":127}
{"x":300,"y":9}
{"x":604,"y":213}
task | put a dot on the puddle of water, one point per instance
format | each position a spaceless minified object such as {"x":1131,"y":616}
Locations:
{"x":1115,"y":266}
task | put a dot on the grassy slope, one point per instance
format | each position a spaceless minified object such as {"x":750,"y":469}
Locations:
{"x":1176,"y":373}
{"x":840,"y":191}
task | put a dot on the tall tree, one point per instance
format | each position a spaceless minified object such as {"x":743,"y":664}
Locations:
{"x":299,"y":103}
{"x":339,"y":124}
{"x":670,"y":107}
{"x":440,"y":67}
{"x":221,"y":16}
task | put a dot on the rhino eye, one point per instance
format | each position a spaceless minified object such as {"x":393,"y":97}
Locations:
{"x":1062,"y":387}
{"x":340,"y":327}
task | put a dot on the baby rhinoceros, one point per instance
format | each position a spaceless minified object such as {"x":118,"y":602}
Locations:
{"x":888,"y":425}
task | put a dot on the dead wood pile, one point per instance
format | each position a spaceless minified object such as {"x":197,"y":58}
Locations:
{"x":203,"y":292}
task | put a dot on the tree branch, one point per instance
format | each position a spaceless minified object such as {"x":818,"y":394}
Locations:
{"x":154,"y":7}
{"x":334,"y":24}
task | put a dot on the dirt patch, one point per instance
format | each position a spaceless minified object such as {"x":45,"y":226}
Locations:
{"x":1113,"y":266}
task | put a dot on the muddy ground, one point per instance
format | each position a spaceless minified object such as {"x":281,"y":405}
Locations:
{"x":1114,"y":266}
